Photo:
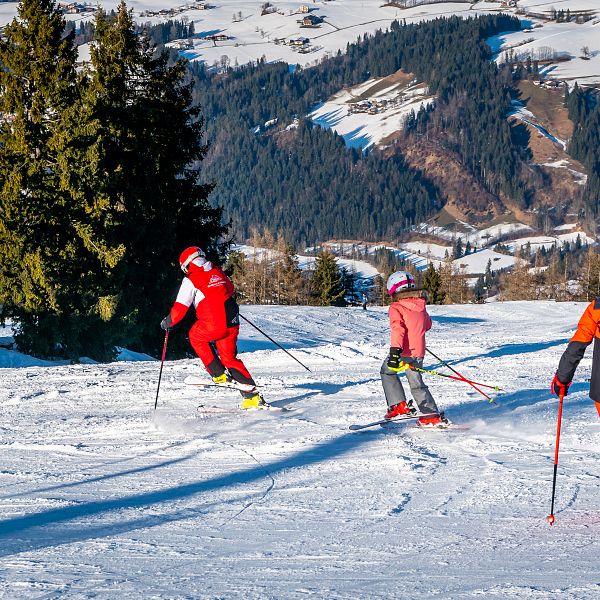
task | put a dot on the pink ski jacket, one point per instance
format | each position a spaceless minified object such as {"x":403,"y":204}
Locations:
{"x":409,"y":321}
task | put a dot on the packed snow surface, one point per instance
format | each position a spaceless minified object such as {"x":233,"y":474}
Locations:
{"x":104,"y":498}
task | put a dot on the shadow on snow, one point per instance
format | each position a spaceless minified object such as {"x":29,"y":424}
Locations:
{"x":65,"y":525}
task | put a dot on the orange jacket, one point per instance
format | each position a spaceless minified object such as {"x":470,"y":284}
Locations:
{"x":587,"y":331}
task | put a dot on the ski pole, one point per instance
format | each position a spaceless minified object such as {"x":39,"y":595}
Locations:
{"x":493,"y":387}
{"x":272,"y":340}
{"x":491,"y":400}
{"x":550,"y":518}
{"x":162,"y":362}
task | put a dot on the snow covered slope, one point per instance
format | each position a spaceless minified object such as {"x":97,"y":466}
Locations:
{"x":368,"y":113}
{"x":101,"y":497}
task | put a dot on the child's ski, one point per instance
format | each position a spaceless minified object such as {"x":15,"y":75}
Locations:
{"x":357,"y":427}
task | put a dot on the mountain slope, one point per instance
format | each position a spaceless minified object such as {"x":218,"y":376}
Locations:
{"x":107,"y":497}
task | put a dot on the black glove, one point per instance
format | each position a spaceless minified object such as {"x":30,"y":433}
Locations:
{"x":167,"y":323}
{"x":394,"y":362}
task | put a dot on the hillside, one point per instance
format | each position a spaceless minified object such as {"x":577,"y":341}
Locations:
{"x":104,"y":497}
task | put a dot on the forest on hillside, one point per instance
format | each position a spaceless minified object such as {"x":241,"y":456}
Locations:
{"x":306,"y":184}
{"x":584,"y":111}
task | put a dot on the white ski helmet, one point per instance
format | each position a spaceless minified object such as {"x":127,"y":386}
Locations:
{"x":399,"y":281}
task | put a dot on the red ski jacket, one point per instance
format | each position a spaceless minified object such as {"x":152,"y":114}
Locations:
{"x":211,"y":292}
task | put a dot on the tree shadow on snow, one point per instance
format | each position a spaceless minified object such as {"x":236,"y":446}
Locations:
{"x":166,"y":463}
{"x":505,"y":350}
{"x":537,"y":401}
{"x":457,"y":320}
{"x":88,"y":520}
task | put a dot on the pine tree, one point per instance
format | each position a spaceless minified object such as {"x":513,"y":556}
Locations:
{"x":479,"y":289}
{"x":55,"y":253}
{"x":150,"y":141}
{"x":432,"y":283}
{"x":326,"y":283}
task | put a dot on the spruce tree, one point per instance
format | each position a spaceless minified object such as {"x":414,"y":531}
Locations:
{"x":54,"y":253}
{"x":432,"y":283}
{"x":151,"y":143}
{"x":326,"y":283}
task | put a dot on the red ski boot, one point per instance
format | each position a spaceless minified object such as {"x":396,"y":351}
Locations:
{"x":399,"y":409}
{"x":433,"y":422}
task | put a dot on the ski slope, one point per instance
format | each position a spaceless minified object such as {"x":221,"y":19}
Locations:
{"x":102,"y":497}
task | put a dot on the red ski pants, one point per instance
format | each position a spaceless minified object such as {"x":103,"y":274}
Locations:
{"x":218,"y":351}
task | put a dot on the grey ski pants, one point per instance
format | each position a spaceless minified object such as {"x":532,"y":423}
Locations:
{"x":394,"y":392}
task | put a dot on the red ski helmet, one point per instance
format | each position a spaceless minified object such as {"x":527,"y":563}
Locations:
{"x":188,"y":255}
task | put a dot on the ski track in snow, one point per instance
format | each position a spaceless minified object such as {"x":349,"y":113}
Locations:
{"x":101,"y":497}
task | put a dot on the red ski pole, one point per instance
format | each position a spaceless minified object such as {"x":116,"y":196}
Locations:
{"x":162,"y":362}
{"x":550,"y":518}
{"x":462,"y":377}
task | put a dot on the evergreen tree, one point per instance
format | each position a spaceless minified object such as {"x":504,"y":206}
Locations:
{"x":458,"y":249}
{"x":349,"y":284}
{"x":150,"y":142}
{"x":480,"y":290}
{"x":326,"y":284}
{"x":55,"y":252}
{"x":432,"y":283}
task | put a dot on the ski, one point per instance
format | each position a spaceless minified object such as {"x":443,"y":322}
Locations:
{"x":216,"y":410}
{"x":358,"y":426}
{"x":450,"y":427}
{"x":198,"y":382}
{"x":209,"y":409}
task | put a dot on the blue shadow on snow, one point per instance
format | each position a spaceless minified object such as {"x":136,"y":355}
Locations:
{"x":43,"y":529}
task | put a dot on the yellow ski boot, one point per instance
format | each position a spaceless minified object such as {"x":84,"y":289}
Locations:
{"x":253,"y":402}
{"x":222,"y":379}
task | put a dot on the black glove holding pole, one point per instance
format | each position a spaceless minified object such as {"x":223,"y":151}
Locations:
{"x":394,"y":362}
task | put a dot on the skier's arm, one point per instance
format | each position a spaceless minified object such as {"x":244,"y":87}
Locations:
{"x":428,"y":322}
{"x":586,"y":330}
{"x":185,"y":298}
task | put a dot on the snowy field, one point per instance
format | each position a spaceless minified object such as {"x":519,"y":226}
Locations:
{"x":363,"y":129}
{"x":104,"y":498}
{"x":253,"y":35}
{"x":361,"y":268}
{"x":543,"y":39}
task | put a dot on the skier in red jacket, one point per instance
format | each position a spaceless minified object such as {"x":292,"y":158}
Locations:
{"x":214,"y":335}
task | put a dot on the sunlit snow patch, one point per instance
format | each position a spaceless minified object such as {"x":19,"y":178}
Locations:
{"x":366,"y":114}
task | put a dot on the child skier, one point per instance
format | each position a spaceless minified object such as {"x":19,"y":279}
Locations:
{"x":587,"y":331}
{"x":214,"y":335}
{"x":409,"y":322}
